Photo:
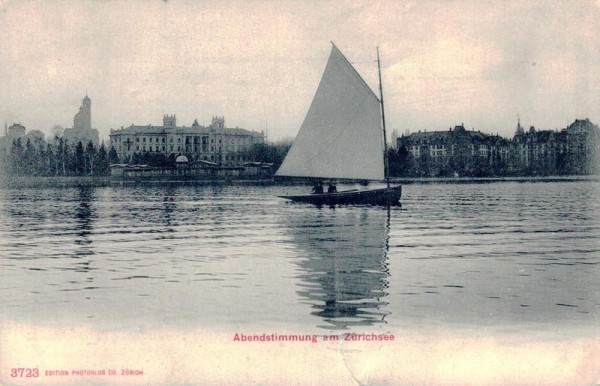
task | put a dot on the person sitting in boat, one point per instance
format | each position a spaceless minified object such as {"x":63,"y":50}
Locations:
{"x":318,"y":188}
{"x":332,"y":188}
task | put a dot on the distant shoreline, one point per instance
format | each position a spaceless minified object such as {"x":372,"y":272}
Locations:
{"x":467,"y":180}
{"x":100,"y":181}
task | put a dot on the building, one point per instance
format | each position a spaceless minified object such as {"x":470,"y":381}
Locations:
{"x":537,"y":151}
{"x":82,"y":126}
{"x":456,"y":151}
{"x":582,"y":143}
{"x":573,"y":150}
{"x":214,"y":143}
{"x":12,"y":133}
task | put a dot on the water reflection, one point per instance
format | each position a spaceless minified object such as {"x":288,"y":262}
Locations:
{"x":85,"y":215}
{"x":344,"y":270}
{"x":61,"y":218}
{"x":169,"y":207}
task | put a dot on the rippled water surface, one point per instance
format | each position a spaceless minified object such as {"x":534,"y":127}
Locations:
{"x":495,"y":255}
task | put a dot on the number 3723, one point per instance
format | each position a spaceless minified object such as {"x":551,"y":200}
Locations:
{"x":24,"y":372}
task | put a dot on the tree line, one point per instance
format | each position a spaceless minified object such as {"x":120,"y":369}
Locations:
{"x":272,"y":153}
{"x":402,"y":163}
{"x":24,"y":157}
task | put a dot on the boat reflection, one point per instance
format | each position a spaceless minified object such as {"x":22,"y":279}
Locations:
{"x":344,"y":270}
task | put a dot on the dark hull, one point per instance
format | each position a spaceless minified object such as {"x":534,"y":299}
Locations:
{"x":384,"y":196}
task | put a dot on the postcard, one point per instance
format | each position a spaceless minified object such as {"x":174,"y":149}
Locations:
{"x":309,"y":192}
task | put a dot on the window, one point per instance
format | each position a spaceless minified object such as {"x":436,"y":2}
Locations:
{"x":163,"y":140}
{"x":171,"y":148}
{"x":144,"y":139}
{"x":150,"y":139}
{"x":137,"y":139}
{"x":171,"y":140}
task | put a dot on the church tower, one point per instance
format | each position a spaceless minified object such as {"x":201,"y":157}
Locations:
{"x":83,"y":119}
{"x":520,"y":130}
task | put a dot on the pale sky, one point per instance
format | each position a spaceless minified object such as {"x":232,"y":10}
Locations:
{"x":258,"y":63}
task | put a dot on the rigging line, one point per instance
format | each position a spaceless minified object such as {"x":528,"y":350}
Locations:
{"x":355,"y":72}
{"x":363,"y":62}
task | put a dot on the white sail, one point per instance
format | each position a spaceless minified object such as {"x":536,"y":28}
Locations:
{"x":341,"y":136}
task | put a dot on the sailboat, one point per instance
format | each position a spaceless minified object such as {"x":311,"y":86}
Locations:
{"x":342,"y":137}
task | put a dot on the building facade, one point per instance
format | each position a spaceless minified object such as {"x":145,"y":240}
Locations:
{"x":457,"y":151}
{"x":214,"y":143}
{"x":573,"y":150}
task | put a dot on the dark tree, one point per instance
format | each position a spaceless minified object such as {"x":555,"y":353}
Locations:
{"x":102,"y":168}
{"x":28,"y":159}
{"x":401,"y":162}
{"x":90,"y":159}
{"x":424,"y":163}
{"x":3,"y":163}
{"x":113,"y":158}
{"x":50,"y":157}
{"x":273,"y":153}
{"x":16,"y":154}
{"x":64,"y":154}
{"x":79,"y":160}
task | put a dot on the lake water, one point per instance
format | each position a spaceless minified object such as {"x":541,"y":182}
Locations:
{"x":496,"y":255}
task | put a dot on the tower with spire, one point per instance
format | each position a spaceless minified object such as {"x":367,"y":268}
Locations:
{"x":520,"y":130}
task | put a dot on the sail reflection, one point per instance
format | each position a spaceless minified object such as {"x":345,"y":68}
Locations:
{"x":344,"y":272}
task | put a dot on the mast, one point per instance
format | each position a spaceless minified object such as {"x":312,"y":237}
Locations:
{"x":385,"y":156}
